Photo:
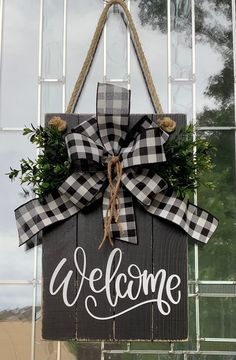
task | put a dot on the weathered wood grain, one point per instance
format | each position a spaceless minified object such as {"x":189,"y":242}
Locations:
{"x":89,"y":236}
{"x":58,"y":321}
{"x":136,"y":324}
{"x":170,"y":253}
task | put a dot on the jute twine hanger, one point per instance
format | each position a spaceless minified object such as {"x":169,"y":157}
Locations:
{"x":114,"y":165}
{"x":92,"y":50}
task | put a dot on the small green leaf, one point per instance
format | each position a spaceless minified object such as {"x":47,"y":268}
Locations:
{"x":45,"y":185}
{"x":27,"y":131}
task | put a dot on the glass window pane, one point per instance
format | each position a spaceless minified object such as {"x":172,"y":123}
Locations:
{"x":43,"y":349}
{"x":116,"y":54}
{"x":219,"y":346}
{"x":150,"y":20}
{"x":15,"y":262}
{"x":217,"y":317}
{"x":15,"y":321}
{"x":52,"y":39}
{"x":51,"y":99}
{"x":82,"y":18}
{"x":215,"y":78}
{"x":120,"y":356}
{"x":140,"y":99}
{"x":69,"y":350}
{"x":182,"y":101}
{"x":151,"y":346}
{"x":181,"y":39}
{"x":119,"y":345}
{"x":220,"y":290}
{"x":191,"y":343}
{"x":16,"y":302}
{"x":72,"y":350}
{"x":87,"y":100}
{"x":217,"y":258}
{"x":20,"y":51}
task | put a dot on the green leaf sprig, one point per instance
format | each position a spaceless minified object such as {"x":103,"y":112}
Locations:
{"x":49,"y":170}
{"x":188,"y":159}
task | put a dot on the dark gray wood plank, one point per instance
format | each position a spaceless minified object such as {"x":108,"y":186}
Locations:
{"x":137,"y":323}
{"x":90,"y":233}
{"x":59,"y":241}
{"x":170,"y":253}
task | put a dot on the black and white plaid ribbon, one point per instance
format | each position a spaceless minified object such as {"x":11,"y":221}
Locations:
{"x":90,"y":146}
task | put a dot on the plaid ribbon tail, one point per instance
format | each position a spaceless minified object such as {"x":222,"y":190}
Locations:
{"x":126,"y":230}
{"x":33,"y":217}
{"x":196,"y":222}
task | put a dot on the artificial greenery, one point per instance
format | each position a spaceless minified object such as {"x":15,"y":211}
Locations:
{"x":188,"y":157}
{"x":187,"y":160}
{"x":48,"y":171}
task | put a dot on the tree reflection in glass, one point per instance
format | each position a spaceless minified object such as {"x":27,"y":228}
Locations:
{"x":213,"y":24}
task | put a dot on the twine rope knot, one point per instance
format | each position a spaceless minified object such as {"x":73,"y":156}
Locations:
{"x":114,"y":174}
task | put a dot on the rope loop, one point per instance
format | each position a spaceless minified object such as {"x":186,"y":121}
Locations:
{"x":92,"y":50}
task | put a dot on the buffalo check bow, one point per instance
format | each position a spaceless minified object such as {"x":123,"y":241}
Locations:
{"x":90,"y":147}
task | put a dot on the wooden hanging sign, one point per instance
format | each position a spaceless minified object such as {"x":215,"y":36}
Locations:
{"x":125,"y":292}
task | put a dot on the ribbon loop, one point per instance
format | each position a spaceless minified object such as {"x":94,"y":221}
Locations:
{"x":146,"y":148}
{"x":81,"y":147}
